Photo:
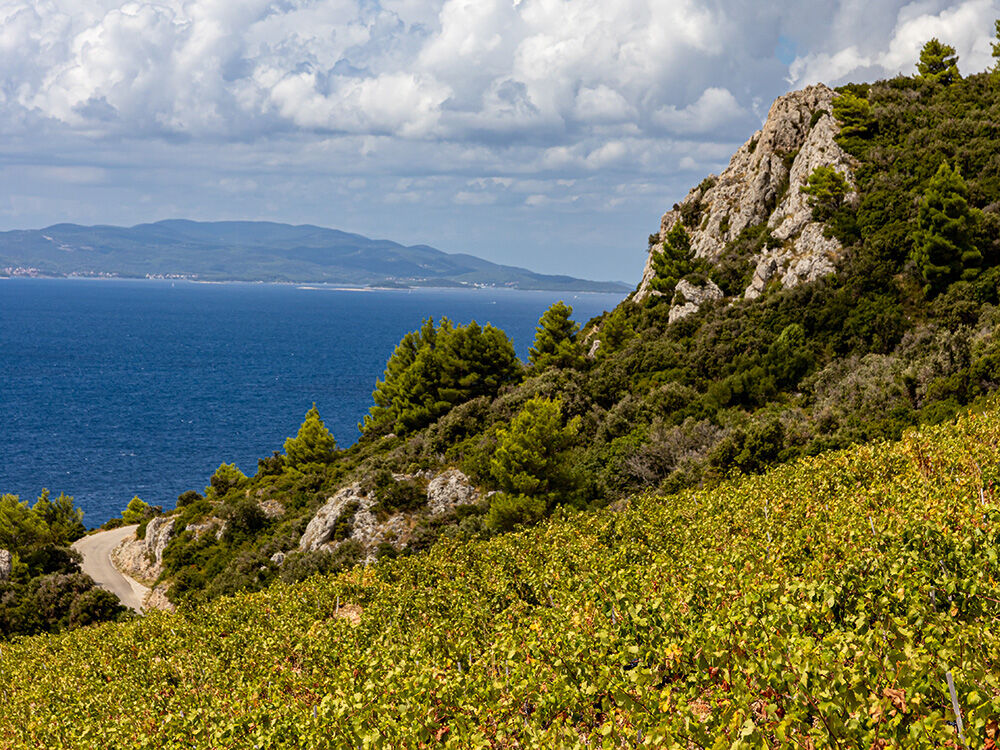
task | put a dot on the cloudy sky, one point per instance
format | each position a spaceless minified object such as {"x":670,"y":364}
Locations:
{"x":545,"y":133}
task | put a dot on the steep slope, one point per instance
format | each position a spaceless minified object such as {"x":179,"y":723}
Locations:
{"x":668,"y":390}
{"x":259,"y":251}
{"x":762,"y":185}
{"x":826,"y":604}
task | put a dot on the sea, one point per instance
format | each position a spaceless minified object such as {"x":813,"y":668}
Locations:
{"x":112,"y":388}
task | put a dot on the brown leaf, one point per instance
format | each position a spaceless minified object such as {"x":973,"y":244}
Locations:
{"x":896,"y":696}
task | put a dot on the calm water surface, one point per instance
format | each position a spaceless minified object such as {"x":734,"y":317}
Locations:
{"x":114,"y":388}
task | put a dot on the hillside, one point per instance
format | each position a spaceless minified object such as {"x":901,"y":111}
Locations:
{"x":725,"y":360}
{"x":820,"y":605}
{"x":683,"y":524}
{"x":258,"y":251}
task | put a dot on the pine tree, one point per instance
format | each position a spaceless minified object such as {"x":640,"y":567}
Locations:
{"x":437,"y":368}
{"x":556,"y":340}
{"x":938,"y":63}
{"x":826,"y":188}
{"x":674,"y":262}
{"x":854,"y":114}
{"x":943,"y":250}
{"x":312,"y":444}
{"x":531,"y":465}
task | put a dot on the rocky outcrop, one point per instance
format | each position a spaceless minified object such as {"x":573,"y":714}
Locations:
{"x":445,"y":491}
{"x":142,"y":559}
{"x":6,"y":564}
{"x":320,"y":529}
{"x":689,"y":298}
{"x":448,"y":490}
{"x":762,"y":184}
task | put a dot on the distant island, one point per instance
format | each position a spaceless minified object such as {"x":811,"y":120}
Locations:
{"x":259,"y":251}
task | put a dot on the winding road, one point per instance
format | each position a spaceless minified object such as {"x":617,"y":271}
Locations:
{"x":96,"y":551}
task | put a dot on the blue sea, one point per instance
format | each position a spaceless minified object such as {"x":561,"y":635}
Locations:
{"x":110,"y":389}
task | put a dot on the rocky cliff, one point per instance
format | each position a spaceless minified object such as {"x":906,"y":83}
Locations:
{"x":762,"y":184}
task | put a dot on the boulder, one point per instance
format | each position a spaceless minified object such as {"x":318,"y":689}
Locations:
{"x":692,"y":298}
{"x":320,"y":527}
{"x":142,"y":559}
{"x":448,"y":490}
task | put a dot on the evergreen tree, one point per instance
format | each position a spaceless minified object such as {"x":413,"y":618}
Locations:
{"x":531,"y":465}
{"x":938,"y":63}
{"x":136,"y":511}
{"x":675,"y":261}
{"x":436,"y":368}
{"x":854,"y":114}
{"x":312,"y":444}
{"x":63,"y":519}
{"x":225,"y":478}
{"x":943,"y":249}
{"x":556,"y":341}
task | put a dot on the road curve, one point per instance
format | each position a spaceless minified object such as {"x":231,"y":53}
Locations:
{"x":96,"y":551}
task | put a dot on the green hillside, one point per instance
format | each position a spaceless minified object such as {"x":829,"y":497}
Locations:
{"x":901,"y":332}
{"x":819,"y":605}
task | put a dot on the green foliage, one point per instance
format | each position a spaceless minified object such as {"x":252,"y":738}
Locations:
{"x":63,"y":519}
{"x":938,"y":63}
{"x":826,"y":188}
{"x":944,"y":251}
{"x":996,"y":49}
{"x":436,"y":368}
{"x":531,"y":465}
{"x":312,"y":445}
{"x":820,"y":605}
{"x":855,"y":116}
{"x":45,"y":591}
{"x":20,"y":527}
{"x":228,"y":476}
{"x":137,"y":511}
{"x":395,"y":495}
{"x":674,"y":262}
{"x":299,"y":566}
{"x":556,"y":343}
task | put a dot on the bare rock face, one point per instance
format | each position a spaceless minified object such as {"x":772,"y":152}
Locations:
{"x":142,"y":559}
{"x":320,"y":528}
{"x":762,"y":184}
{"x":448,"y":490}
{"x":690,"y":298}
{"x":6,"y":564}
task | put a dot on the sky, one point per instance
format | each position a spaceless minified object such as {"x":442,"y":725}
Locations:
{"x":550,"y":134}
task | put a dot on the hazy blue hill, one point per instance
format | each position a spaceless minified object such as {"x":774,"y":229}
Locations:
{"x":260,"y":251}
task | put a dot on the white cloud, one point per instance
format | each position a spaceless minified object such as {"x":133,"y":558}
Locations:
{"x":713,"y":110}
{"x":965,"y":25}
{"x":399,"y":115}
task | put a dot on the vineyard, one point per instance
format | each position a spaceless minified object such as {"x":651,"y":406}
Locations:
{"x":826,"y":604}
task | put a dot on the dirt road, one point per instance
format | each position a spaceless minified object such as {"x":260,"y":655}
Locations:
{"x":96,"y":551}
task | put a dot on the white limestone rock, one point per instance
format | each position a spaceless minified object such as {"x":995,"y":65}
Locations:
{"x":142,"y":559}
{"x":692,"y":298}
{"x":320,"y":528}
{"x":448,"y":490}
{"x":6,"y":564}
{"x":763,"y":184}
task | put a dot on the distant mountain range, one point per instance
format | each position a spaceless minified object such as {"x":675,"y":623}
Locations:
{"x":258,"y":251}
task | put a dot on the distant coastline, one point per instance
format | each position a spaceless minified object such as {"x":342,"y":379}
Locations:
{"x":262,"y":252}
{"x":304,"y":286}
